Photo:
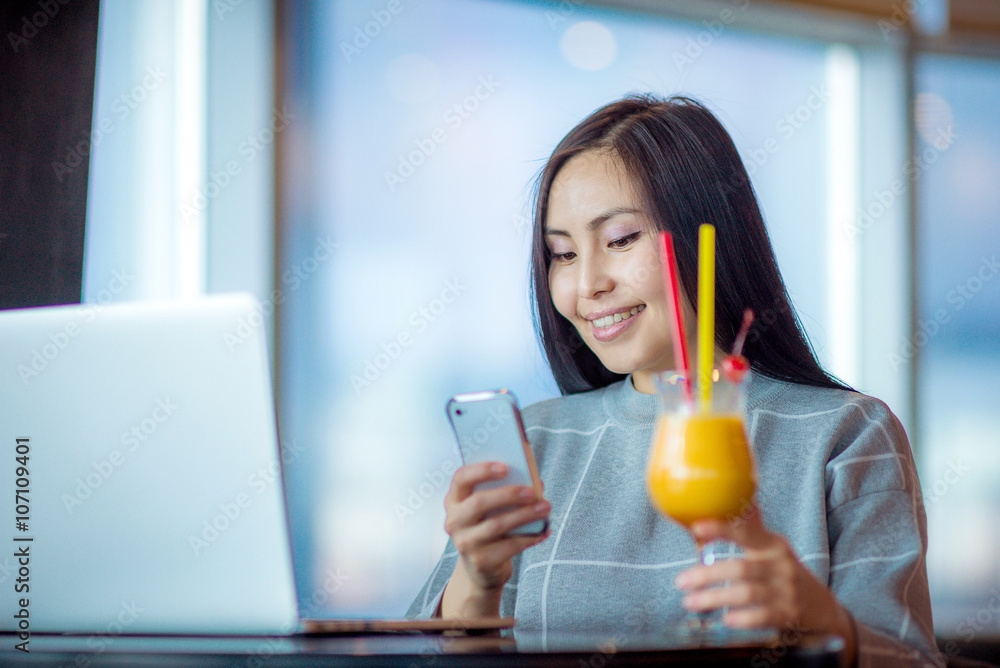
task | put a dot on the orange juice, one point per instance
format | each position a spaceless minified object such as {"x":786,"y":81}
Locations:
{"x":700,"y":467}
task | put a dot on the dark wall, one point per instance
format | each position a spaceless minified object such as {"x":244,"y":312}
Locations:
{"x":48,"y":57}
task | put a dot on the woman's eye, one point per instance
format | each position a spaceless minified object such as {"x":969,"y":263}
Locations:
{"x":563,"y":257}
{"x":625,"y":241}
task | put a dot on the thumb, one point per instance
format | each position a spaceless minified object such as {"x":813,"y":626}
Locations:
{"x":747,"y":531}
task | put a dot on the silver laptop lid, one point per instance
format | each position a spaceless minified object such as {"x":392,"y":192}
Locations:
{"x":141,"y":489}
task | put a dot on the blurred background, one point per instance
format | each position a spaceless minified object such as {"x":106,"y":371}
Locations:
{"x":365,"y":168}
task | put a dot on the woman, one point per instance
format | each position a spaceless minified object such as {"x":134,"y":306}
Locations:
{"x":837,"y":539}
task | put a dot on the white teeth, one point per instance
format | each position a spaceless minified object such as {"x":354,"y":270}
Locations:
{"x":609,"y":320}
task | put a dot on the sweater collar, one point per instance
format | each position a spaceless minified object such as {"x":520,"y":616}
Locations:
{"x":630,"y":406}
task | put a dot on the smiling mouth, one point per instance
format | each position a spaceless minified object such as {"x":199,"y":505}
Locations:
{"x":607,"y":321}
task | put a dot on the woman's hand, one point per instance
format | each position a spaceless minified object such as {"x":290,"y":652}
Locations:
{"x":485,"y":548}
{"x":767,"y":587}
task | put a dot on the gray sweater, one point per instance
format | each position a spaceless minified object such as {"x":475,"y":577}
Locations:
{"x":836,"y":479}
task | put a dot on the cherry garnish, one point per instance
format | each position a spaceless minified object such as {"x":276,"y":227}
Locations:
{"x":734,"y":366}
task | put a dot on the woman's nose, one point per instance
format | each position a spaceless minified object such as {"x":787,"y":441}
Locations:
{"x":594,"y":277}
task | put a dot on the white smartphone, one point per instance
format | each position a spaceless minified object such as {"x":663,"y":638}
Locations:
{"x":488,"y":428}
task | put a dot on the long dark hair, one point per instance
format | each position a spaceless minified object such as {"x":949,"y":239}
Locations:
{"x":687,"y":171}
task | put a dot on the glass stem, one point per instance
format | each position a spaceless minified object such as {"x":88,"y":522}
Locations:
{"x":706,"y":553}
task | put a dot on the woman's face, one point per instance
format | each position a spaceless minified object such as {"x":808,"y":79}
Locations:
{"x":605,"y":262}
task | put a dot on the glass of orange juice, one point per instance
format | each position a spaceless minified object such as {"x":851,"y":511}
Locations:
{"x":700,"y":463}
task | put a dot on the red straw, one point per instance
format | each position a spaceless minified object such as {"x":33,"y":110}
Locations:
{"x":672,"y":287}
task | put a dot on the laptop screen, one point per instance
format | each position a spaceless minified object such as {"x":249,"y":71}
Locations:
{"x":142,"y":488}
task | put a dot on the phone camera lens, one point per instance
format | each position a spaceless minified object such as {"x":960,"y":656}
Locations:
{"x":458,"y":411}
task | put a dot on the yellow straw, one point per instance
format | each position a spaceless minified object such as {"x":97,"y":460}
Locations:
{"x":706,"y":314}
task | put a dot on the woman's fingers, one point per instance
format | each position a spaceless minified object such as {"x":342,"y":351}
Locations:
{"x":465,"y":507}
{"x":494,"y":556}
{"x":748,"y":531}
{"x":767,"y":587}
{"x":465,"y":479}
{"x":752,"y":618}
{"x":487,"y":547}
{"x":736,"y":595}
{"x":758,"y":589}
{"x":480,"y":521}
{"x":474,"y":508}
{"x":752,"y":603}
{"x":499,"y":526}
{"x":747,"y":568}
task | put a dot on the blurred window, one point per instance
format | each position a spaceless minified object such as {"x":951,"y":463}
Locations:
{"x":957,"y":339}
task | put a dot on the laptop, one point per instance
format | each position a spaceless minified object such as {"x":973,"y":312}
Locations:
{"x":142,"y":489}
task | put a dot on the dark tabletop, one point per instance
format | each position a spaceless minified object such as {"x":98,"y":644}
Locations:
{"x":411,"y":650}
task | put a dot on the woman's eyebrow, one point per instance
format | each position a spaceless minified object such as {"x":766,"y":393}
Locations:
{"x":596,"y":222}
